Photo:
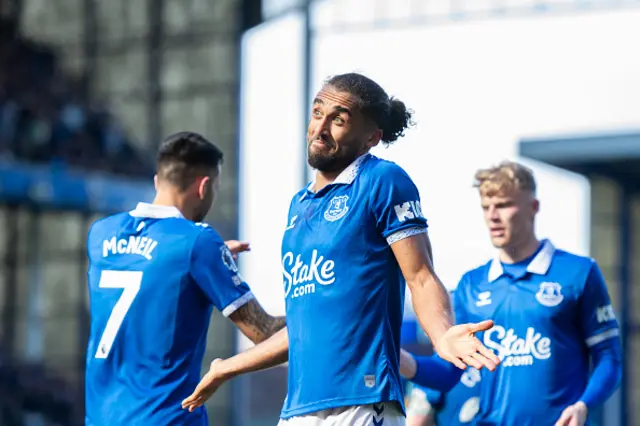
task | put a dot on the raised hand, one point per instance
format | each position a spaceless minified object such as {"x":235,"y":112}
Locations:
{"x":460,"y":346}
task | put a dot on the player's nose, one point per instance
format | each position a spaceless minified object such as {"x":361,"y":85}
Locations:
{"x":319,"y":133}
{"x":492,"y":212}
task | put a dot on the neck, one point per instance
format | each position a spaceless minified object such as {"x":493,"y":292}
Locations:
{"x":519,"y":252}
{"x":171,"y":199}
{"x":325,"y":178}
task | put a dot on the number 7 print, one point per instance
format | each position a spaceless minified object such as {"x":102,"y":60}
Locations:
{"x":130,"y":282}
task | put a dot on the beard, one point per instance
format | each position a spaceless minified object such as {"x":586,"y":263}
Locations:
{"x":326,"y":159}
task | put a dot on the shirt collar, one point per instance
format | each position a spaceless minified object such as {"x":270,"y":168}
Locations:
{"x":155,"y":211}
{"x":539,"y":264}
{"x":348,"y":175}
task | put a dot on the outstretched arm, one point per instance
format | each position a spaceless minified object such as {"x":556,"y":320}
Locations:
{"x":215,"y":272}
{"x":272,"y":348}
{"x":255,"y":323}
{"x":602,"y":336}
{"x":271,"y":352}
{"x":431,"y":303}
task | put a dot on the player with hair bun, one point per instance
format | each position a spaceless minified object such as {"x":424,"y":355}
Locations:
{"x":356,"y":237}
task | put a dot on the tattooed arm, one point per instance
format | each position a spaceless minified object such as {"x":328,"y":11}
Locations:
{"x":255,"y":323}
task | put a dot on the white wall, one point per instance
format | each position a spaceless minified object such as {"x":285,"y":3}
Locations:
{"x":477,"y":88}
{"x":271,"y":150}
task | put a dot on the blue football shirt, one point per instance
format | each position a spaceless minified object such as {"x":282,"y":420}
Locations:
{"x":344,"y":289}
{"x":547,"y":315}
{"x":154,"y":278}
{"x":459,"y":406}
{"x":413,"y":336}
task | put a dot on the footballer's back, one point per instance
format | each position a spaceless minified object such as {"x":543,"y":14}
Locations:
{"x":148,"y":321}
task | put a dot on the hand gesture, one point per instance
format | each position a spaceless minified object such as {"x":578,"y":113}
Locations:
{"x":236,"y":247}
{"x":460,"y":346}
{"x":207,"y":387}
{"x":574,"y":415}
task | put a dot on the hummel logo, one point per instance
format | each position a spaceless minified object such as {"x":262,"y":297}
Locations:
{"x":379,"y":409}
{"x":292,"y":223}
{"x":484,"y":298}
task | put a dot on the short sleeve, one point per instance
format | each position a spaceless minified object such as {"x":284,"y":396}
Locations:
{"x":598,"y":318}
{"x":396,"y":205}
{"x":215,"y":272}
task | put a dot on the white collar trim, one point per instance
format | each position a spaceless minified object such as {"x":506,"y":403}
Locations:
{"x":155,"y":211}
{"x":348,"y":175}
{"x":539,"y":264}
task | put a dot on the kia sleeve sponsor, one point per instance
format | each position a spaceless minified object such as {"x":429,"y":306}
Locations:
{"x":598,"y":319}
{"x":396,"y":206}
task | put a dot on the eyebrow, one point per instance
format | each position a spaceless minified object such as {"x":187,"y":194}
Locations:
{"x":338,"y":108}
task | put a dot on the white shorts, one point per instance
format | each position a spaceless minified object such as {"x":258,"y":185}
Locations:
{"x":383,"y":414}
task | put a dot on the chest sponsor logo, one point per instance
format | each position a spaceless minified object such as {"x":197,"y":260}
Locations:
{"x":514,"y":350}
{"x":302,"y":275}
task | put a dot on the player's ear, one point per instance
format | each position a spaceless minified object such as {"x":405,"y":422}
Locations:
{"x":155,"y":181}
{"x":535,"y":205}
{"x":204,"y":187}
{"x":374,"y":138}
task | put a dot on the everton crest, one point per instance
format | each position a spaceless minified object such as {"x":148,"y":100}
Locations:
{"x":337,"y":208}
{"x":549,"y":294}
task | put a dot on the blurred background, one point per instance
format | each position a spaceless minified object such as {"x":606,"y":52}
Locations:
{"x":89,"y":88}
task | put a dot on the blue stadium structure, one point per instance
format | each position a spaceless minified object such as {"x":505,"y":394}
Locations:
{"x":58,"y":156}
{"x":611,"y":163}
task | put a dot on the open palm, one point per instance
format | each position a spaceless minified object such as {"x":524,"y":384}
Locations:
{"x":460,"y":346}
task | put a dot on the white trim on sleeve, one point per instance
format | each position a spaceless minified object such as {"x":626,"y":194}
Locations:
{"x":598,"y":338}
{"x":405,"y":233}
{"x":238,"y":303}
